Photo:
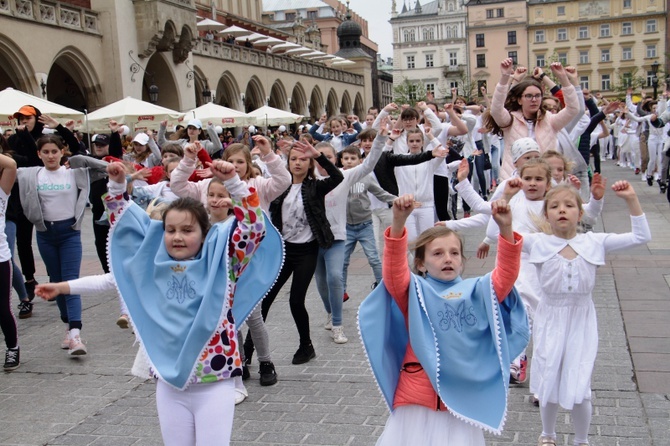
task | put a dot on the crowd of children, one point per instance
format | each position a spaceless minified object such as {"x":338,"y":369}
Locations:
{"x":395,"y":183}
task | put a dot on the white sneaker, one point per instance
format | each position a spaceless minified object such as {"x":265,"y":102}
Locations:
{"x":329,"y":322}
{"x":65,"y":343}
{"x":240,"y":395}
{"x":338,"y":335}
{"x":77,"y":347}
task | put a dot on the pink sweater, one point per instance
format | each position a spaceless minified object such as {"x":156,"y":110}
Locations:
{"x":415,"y":388}
{"x":515,"y":126}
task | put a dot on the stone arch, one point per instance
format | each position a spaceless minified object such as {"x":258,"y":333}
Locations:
{"x":160,"y":71}
{"x":315,"y":104}
{"x":278,"y":97}
{"x":167,"y":40}
{"x":228,"y":92}
{"x":359,"y":107}
{"x":73,"y":82}
{"x":345,"y":106}
{"x":200,"y":84}
{"x":15,"y":68}
{"x":299,"y":100}
{"x":332,"y":104}
{"x":184,"y":46}
{"x":254,"y":96}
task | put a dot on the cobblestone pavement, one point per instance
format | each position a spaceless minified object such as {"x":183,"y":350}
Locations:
{"x":57,"y":400}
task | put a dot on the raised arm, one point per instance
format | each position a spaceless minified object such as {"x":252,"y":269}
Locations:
{"x":395,"y":269}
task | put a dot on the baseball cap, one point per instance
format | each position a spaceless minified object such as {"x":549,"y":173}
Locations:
{"x":522,"y":146}
{"x":194,"y":123}
{"x":141,"y":138}
{"x":26,"y":110}
{"x":101,"y":140}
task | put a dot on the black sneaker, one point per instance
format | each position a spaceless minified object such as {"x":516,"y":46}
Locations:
{"x":245,"y":373}
{"x":25,"y":309}
{"x":268,"y":373}
{"x":248,"y":348}
{"x":11,"y":359}
{"x":30,"y":289}
{"x":304,"y":354}
{"x":650,"y":181}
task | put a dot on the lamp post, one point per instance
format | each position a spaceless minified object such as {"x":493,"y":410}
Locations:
{"x":206,"y":94}
{"x":654,"y":78}
{"x":153,"y":92}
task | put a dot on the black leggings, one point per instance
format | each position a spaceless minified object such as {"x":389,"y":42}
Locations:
{"x":24,"y":246}
{"x":441,"y":197}
{"x":7,"y":320}
{"x":300,"y":261}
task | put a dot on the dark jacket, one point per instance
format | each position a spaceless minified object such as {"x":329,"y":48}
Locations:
{"x":313,"y":192}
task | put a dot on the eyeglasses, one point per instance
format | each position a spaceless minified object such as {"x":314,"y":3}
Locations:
{"x":531,"y":97}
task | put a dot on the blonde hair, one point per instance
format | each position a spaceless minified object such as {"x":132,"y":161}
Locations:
{"x":539,"y":163}
{"x":568,"y":165}
{"x":539,"y":221}
{"x":427,"y":236}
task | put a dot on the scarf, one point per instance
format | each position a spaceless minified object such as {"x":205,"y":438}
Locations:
{"x":464,"y":339}
{"x":177,"y":306}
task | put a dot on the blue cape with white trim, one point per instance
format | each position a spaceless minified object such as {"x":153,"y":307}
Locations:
{"x":177,"y":306}
{"x":464,"y":339}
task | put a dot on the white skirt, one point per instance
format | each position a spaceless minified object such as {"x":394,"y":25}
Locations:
{"x":419,"y":425}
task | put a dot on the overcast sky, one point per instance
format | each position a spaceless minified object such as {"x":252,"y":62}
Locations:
{"x":377,"y":13}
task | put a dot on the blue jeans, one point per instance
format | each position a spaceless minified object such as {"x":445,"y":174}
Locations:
{"x":17,"y":276}
{"x":495,"y":162}
{"x":363,"y":233}
{"x":60,"y":248}
{"x":329,"y":266}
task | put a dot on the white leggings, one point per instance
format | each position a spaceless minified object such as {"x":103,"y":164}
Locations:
{"x":419,"y":220}
{"x":581,"y":420}
{"x":200,"y":415}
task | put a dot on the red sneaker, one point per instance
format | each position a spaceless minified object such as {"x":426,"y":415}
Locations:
{"x":345,"y":297}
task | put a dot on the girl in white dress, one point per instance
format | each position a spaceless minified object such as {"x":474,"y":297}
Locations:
{"x":565,"y":333}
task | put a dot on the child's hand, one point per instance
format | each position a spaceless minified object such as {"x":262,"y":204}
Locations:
{"x":204,"y":173}
{"x":440,"y":152}
{"x":483,"y":250}
{"x":191,"y":150}
{"x":422,"y":106}
{"x":428,"y":131}
{"x":402,"y":207}
{"x":142,"y":174}
{"x":576,"y":183}
{"x":306,"y":149}
{"x":51,"y":290}
{"x":623,"y":189}
{"x":571,"y":72}
{"x":598,"y":184}
{"x":463,"y":170}
{"x":284,"y":145}
{"x":502,"y":215}
{"x":113,"y":126}
{"x":262,"y":143}
{"x":116,"y":172}
{"x":383,"y":126}
{"x":223,"y":203}
{"x":164,"y":123}
{"x":223,"y":170}
{"x":512,"y":187}
{"x":48,"y":121}
{"x":390,"y":108}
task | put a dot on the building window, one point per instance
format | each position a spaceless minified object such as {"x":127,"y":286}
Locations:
{"x":453,"y":84}
{"x":453,"y":59}
{"x":605,"y":82}
{"x":627,"y":4}
{"x":500,"y":12}
{"x":410,"y":62}
{"x":651,"y":26}
{"x":479,"y":39}
{"x":312,"y":15}
{"x":583,"y":32}
{"x":410,"y":36}
{"x":605,"y":30}
{"x":481,"y":60}
{"x":584,"y":56}
{"x":563,"y":58}
{"x":489,"y":13}
{"x":512,"y":55}
{"x":626,"y":28}
{"x":650,"y":78}
{"x":511,"y":37}
{"x":428,"y":34}
{"x":560,"y":10}
{"x":651,"y":50}
{"x":627,"y":79}
{"x":605,"y":55}
{"x":627,"y":53}
{"x":430,"y":89}
{"x":539,"y":60}
{"x":584,"y":82}
{"x":290,"y":16}
{"x":539,"y":36}
{"x":562,"y":34}
{"x":429,"y":61}
{"x":411,"y":92}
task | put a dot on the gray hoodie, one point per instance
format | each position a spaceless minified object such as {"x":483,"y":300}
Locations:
{"x":358,"y":202}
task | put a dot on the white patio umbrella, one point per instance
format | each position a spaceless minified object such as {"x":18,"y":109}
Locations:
{"x":12,"y":100}
{"x":324,"y":58}
{"x":340,"y":63}
{"x":269,"y":41}
{"x":236,"y":31}
{"x":313,"y":54}
{"x":218,"y":115}
{"x":267,"y":116}
{"x":136,"y":114}
{"x":284,"y":47}
{"x":298,"y":51}
{"x":251,"y":37}
{"x":210,"y":25}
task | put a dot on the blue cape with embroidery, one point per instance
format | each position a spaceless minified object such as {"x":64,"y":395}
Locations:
{"x":464,"y":339}
{"x":177,"y":306}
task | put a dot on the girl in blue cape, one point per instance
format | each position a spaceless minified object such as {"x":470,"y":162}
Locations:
{"x":439,"y":345}
{"x":186,"y":309}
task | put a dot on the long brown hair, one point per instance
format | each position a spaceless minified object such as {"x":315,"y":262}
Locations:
{"x":244,"y":150}
{"x":310,"y":171}
{"x":512,"y":104}
{"x":427,"y":236}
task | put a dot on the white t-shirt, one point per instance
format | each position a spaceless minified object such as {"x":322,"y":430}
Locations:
{"x":295,"y":227}
{"x":57,"y":190}
{"x":4,"y":246}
